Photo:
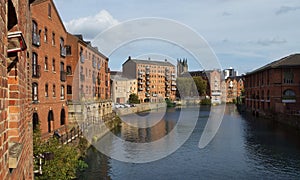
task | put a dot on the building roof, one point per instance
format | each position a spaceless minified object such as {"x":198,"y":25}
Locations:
{"x":151,"y":62}
{"x":288,"y":61}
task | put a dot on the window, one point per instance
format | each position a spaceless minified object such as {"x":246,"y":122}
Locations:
{"x":53,"y":39}
{"x":34,"y":64}
{"x":288,"y":76}
{"x":35,"y":92}
{"x":49,"y":10}
{"x":46,"y":90}
{"x":53,"y":65}
{"x":69,"y":89}
{"x":62,"y":92}
{"x":69,"y":70}
{"x":54,"y":91}
{"x":46,"y":64}
{"x":68,"y":50}
{"x":289,"y":93}
{"x":62,"y":117}
{"x":46,"y":35}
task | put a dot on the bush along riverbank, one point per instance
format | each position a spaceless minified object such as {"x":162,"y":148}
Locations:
{"x":56,"y":160}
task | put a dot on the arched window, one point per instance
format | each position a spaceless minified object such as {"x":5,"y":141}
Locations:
{"x":289,"y":93}
{"x":50,"y":120}
{"x":35,"y":92}
{"x":35,"y":121}
{"x":62,"y":117}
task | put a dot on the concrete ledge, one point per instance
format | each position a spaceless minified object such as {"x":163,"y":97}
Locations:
{"x":15,"y":150}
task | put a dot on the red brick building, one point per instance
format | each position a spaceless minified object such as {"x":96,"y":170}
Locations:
{"x":15,"y":91}
{"x":88,"y":79}
{"x":234,"y":88}
{"x":49,"y":84}
{"x":274,"y":87}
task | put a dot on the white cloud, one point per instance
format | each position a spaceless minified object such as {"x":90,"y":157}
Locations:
{"x":91,"y":26}
{"x":286,"y":9}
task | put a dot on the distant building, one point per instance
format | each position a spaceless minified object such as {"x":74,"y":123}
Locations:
{"x":274,"y":87}
{"x":156,"y":79}
{"x":121,"y":88}
{"x":230,"y":72}
{"x":234,"y":88}
{"x":182,"y":67}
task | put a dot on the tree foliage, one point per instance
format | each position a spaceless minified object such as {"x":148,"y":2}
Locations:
{"x":134,"y":99}
{"x":64,"y":162}
{"x":189,"y":87}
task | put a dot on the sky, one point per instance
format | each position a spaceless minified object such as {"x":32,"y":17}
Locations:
{"x":242,"y":34}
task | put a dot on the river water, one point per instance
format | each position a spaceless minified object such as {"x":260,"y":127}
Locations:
{"x":243,"y":148}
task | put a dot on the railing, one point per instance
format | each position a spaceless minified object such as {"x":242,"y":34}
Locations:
{"x":74,"y":133}
{"x":63,"y":76}
{"x":36,"y":39}
{"x":36,"y":71}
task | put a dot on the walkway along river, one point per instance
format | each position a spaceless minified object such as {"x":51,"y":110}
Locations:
{"x":243,"y":147}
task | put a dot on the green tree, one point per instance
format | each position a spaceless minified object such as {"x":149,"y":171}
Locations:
{"x":201,"y":85}
{"x":64,"y":159}
{"x":133,"y":99}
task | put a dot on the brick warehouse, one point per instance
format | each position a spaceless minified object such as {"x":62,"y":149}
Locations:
{"x":275,"y":87}
{"x":49,"y":85}
{"x":15,"y":91}
{"x":88,"y":78}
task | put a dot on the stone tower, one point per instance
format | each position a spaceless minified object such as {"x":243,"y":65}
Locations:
{"x":182,"y":66}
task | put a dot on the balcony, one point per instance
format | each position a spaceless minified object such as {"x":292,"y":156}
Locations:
{"x":141,"y":89}
{"x":147,"y":83}
{"x":140,"y":77}
{"x":147,"y":67}
{"x":147,"y":95}
{"x":82,"y":77}
{"x":167,"y":95}
{"x":148,"y":78}
{"x":36,"y":40}
{"x":98,"y":80}
{"x":82,"y":58}
{"x":173,"y":83}
{"x":147,"y":72}
{"x":173,"y":79}
{"x":36,"y":71}
{"x":63,"y":76}
{"x":63,"y":51}
{"x":173,"y":89}
{"x":167,"y":83}
{"x":140,"y":73}
{"x":140,"y":83}
{"x":154,"y":95}
{"x":148,"y":88}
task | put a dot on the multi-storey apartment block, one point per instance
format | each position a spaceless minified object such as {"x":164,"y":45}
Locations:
{"x":156,"y":79}
{"x":16,"y":159}
{"x":274,"y":87}
{"x":48,"y":54}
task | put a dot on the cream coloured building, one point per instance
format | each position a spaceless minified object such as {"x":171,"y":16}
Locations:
{"x":121,"y":88}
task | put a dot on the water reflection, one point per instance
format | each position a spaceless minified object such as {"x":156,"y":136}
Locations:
{"x":244,"y":147}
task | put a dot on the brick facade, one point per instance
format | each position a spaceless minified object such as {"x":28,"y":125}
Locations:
{"x":156,"y":79}
{"x":15,"y":97}
{"x":274,"y":88}
{"x":234,"y":88}
{"x":49,"y":87}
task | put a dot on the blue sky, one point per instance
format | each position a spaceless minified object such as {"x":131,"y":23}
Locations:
{"x":243,"y":34}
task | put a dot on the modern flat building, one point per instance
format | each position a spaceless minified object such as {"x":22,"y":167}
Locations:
{"x":16,"y":156}
{"x":234,"y":88}
{"x":121,"y":88}
{"x":48,"y":56}
{"x":275,"y":87}
{"x":156,"y":79}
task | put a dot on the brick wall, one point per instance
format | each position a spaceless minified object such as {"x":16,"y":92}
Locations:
{"x":3,"y":94}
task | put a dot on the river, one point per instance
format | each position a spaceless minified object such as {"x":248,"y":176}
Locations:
{"x":243,"y":148}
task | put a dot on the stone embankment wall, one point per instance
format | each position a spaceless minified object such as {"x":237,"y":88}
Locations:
{"x":139,"y":108}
